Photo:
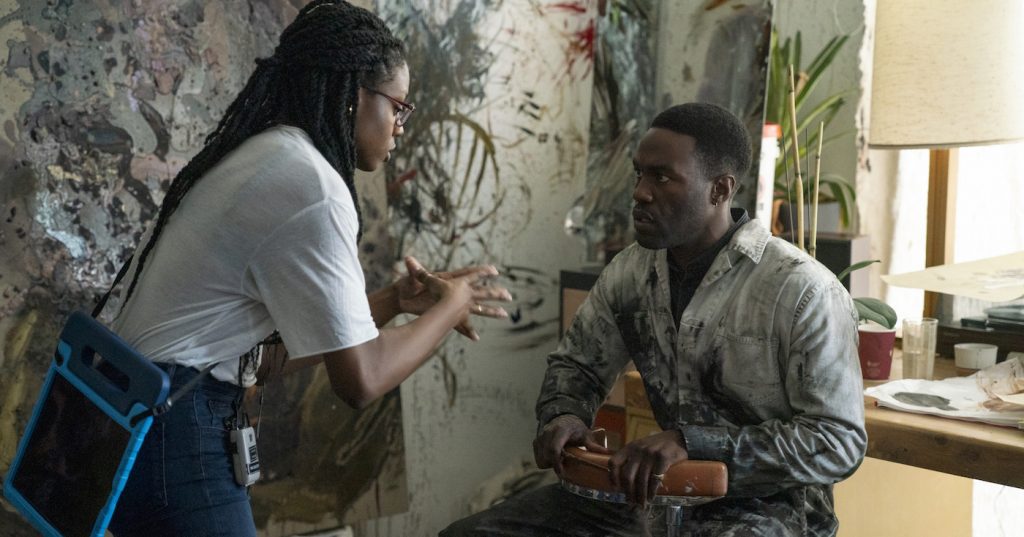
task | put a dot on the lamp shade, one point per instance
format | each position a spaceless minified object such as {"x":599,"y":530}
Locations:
{"x":947,"y":73}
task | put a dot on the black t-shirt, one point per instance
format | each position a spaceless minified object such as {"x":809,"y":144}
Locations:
{"x":683,"y":281}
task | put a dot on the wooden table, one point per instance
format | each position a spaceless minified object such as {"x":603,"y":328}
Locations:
{"x":968,"y":449}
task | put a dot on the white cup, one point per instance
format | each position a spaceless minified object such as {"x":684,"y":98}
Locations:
{"x":975,"y":355}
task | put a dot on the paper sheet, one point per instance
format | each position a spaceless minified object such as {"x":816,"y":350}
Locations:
{"x":1016,"y":399}
{"x":973,"y":398}
{"x":996,"y":279}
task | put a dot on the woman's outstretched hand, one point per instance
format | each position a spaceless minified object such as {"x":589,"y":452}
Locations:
{"x":420,"y":289}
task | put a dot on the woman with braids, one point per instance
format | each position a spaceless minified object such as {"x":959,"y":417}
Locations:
{"x":257,"y":235}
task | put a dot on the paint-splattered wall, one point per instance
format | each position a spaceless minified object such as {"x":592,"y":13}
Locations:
{"x":509,"y":82}
{"x":101,"y":103}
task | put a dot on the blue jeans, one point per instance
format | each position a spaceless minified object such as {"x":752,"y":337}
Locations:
{"x":183,"y":482}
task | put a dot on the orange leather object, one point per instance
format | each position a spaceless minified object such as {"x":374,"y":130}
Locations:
{"x":685,"y":478}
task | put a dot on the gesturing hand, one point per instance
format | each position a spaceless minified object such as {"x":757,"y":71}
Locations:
{"x":565,"y":430}
{"x":415,"y":297}
{"x":635,"y":469}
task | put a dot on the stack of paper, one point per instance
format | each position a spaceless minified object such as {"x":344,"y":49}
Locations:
{"x":994,"y":395}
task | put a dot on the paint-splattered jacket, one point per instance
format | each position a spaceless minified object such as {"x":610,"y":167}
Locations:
{"x":761,"y":373}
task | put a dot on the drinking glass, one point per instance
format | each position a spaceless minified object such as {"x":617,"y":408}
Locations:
{"x":919,"y":347}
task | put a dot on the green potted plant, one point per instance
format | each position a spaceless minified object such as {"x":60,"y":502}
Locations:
{"x":877,"y":330}
{"x":787,"y":105}
{"x":877,"y":319}
{"x":834,"y":188}
{"x":871,"y":309}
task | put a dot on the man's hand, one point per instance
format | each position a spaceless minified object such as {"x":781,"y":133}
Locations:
{"x":635,"y":468}
{"x":414,"y":297}
{"x":564,"y":430}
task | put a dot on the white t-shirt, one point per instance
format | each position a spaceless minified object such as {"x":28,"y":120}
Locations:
{"x":265,"y":241}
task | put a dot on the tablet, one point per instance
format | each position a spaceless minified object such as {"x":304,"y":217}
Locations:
{"x":88,"y":424}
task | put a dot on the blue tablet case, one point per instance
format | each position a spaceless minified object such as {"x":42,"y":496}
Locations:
{"x":88,"y":424}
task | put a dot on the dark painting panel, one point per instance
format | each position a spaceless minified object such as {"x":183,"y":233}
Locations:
{"x":720,"y":55}
{"x":623,"y":105}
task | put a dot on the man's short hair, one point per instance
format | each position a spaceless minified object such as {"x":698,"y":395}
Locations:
{"x":723,"y":144}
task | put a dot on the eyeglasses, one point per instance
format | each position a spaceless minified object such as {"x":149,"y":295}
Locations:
{"x":404,"y":109}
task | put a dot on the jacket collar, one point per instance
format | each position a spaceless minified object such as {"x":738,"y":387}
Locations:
{"x":749,"y":241}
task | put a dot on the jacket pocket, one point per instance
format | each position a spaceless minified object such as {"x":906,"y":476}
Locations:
{"x":746,"y":370}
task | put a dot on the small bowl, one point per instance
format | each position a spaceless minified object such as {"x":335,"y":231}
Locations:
{"x":973,"y":356}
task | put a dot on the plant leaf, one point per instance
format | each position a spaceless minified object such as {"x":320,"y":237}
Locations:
{"x":774,"y":90}
{"x":786,"y":52}
{"x":839,"y":194}
{"x":829,"y":106}
{"x":872,"y":309}
{"x":856,"y":266}
{"x":819,"y":64}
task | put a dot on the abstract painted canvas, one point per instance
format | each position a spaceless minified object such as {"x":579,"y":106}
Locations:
{"x":651,"y":55}
{"x":101,"y":103}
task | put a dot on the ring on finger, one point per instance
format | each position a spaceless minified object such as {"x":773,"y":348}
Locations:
{"x":659,"y":477}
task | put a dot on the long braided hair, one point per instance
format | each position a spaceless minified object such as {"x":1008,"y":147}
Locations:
{"x":312,"y":82}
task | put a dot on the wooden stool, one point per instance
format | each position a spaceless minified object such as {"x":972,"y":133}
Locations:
{"x":686,"y":483}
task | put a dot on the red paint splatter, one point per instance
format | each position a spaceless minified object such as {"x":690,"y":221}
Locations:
{"x":581,"y":41}
{"x":577,"y":7}
{"x":581,"y":46}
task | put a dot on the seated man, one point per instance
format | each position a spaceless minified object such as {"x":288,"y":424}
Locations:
{"x":747,"y":348}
